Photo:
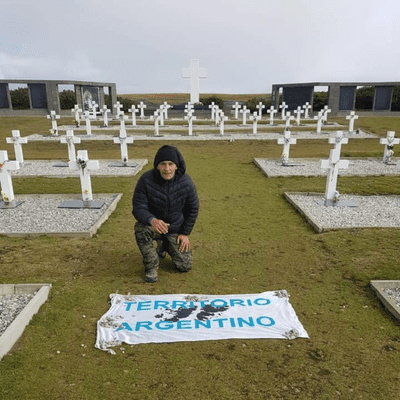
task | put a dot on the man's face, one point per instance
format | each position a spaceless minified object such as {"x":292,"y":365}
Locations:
{"x":167,"y":169}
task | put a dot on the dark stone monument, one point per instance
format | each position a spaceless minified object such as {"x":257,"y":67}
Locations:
{"x":383,"y":98}
{"x":4,"y":103}
{"x":347,"y":97}
{"x":297,"y":96}
{"x":38,"y":95}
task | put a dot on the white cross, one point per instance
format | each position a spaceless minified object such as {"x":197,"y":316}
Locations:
{"x":351,"y":119}
{"x":122,"y":128}
{"x":260,"y":108}
{"x":236,"y":106}
{"x":218,"y":113}
{"x":123,"y":141}
{"x":194,"y":73}
{"x":389,"y":143}
{"x":222,"y":119}
{"x":319,"y":118}
{"x":271,"y":111}
{"x":156,"y":117}
{"x":244,"y":111}
{"x":286,"y":140}
{"x":213,"y":107}
{"x":7,"y":191}
{"x":326,"y":110}
{"x":94,"y":110}
{"x":86,"y":117}
{"x":256,"y":117}
{"x":333,"y":164}
{"x":84,"y":165}
{"x":161,"y":112}
{"x":288,"y":118}
{"x":142,"y":106}
{"x":17,"y":140}
{"x":190,"y":117}
{"x":54,"y":118}
{"x":283,"y":106}
{"x":307,"y":107}
{"x":133,"y":110}
{"x":70,"y":140}
{"x":105,"y":116}
{"x":298,"y":113}
{"x":166,"y":108}
{"x":118,"y":107}
{"x":77,"y":113}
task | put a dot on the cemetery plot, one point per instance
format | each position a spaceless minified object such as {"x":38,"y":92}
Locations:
{"x":36,"y":294}
{"x":389,"y":293}
{"x":40,"y":215}
{"x":370,"y":211}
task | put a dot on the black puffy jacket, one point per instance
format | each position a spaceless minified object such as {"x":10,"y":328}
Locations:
{"x":174,"y":201}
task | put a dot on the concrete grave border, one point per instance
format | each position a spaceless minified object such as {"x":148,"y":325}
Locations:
{"x":16,"y":328}
{"x":389,"y":303}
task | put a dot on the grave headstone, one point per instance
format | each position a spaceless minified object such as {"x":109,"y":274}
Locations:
{"x":283,"y":107}
{"x":118,"y":106}
{"x":123,"y":141}
{"x":307,"y":107}
{"x":156,"y":118}
{"x":76,"y":111}
{"x":255,"y":117}
{"x":213,"y":107}
{"x":319,"y":118}
{"x":260,"y":107}
{"x":53,"y":117}
{"x":271,"y":111}
{"x":194,"y":73}
{"x":105,"y":111}
{"x":161,"y":113}
{"x":166,"y":108}
{"x":70,"y":140}
{"x":288,"y":118}
{"x":93,"y":110}
{"x":122,"y":118}
{"x":141,"y":107}
{"x":352,"y":117}
{"x":298,"y":113}
{"x":286,"y":141}
{"x":218,"y":113}
{"x":325,"y":112}
{"x":84,"y":166}
{"x":236,"y":107}
{"x":333,"y":164}
{"x":390,"y":141}
{"x":7,"y":190}
{"x":244,"y":111}
{"x":222,"y":119}
{"x":190,"y":117}
{"x":86,"y":117}
{"x":133,"y":110}
{"x":17,"y":140}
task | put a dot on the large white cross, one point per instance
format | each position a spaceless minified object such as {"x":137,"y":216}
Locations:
{"x":142,"y":106}
{"x":190,"y":117}
{"x":320,"y":119}
{"x":94,"y":110}
{"x":298,"y":113}
{"x":123,"y":141}
{"x":7,"y":191}
{"x":122,"y":118}
{"x":86,"y":117}
{"x":84,"y":165}
{"x":260,"y":107}
{"x":17,"y":140}
{"x":133,"y":110}
{"x":333,"y":164}
{"x":77,"y":114}
{"x":54,"y":118}
{"x":244,"y":111}
{"x":286,"y":140}
{"x":70,"y":140}
{"x":194,"y":73}
{"x":255,"y":117}
{"x":222,"y":119}
{"x":236,"y":106}
{"x":213,"y":107}
{"x":156,"y":118}
{"x":307,"y":107}
{"x":352,"y":117}
{"x":389,"y":143}
{"x":105,"y":116}
{"x":271,"y":111}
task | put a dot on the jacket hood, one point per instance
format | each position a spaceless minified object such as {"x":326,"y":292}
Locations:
{"x":170,"y":153}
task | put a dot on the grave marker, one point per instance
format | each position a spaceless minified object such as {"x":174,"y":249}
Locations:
{"x":298,"y":113}
{"x":217,"y":115}
{"x":286,"y":140}
{"x":86,"y":117}
{"x":352,"y":117}
{"x":389,"y":143}
{"x":236,"y":106}
{"x":94,"y":110}
{"x":244,"y":111}
{"x":283,"y":106}
{"x":142,"y":106}
{"x":123,"y":141}
{"x":256,"y":117}
{"x":288,"y":118}
{"x":166,"y":108}
{"x":7,"y":191}
{"x":307,"y":107}
{"x":190,"y":117}
{"x":17,"y":140}
{"x":271,"y":111}
{"x":156,"y":118}
{"x":213,"y":108}
{"x":161,"y":113}
{"x":222,"y":119}
{"x":325,"y":112}
{"x":70,"y":140}
{"x":194,"y":73}
{"x":84,"y":166}
{"x":319,"y":119}
{"x":133,"y":110}
{"x":122,"y":118}
{"x":333,"y":164}
{"x":53,"y":117}
{"x":118,"y":107}
{"x":260,"y":107}
{"x":105,"y":116}
{"x":77,"y":114}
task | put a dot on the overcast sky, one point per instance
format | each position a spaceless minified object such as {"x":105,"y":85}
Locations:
{"x":246,"y":46}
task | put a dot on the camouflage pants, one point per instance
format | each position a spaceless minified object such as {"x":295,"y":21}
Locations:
{"x":146,"y":235}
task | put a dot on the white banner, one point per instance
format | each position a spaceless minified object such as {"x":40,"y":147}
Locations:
{"x":135,"y":319}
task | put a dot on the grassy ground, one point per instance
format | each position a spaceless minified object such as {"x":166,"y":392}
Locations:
{"x":248,"y":239}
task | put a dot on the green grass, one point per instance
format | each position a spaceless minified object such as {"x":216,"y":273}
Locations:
{"x":247,"y":239}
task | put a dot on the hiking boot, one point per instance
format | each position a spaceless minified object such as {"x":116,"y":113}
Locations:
{"x":160,"y":249}
{"x":151,"y":275}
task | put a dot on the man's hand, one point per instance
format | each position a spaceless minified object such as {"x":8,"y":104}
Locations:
{"x":159,"y":226}
{"x":183,"y":240}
